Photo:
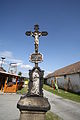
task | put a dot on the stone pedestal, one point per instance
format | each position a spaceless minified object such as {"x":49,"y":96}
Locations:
{"x":32,"y":115}
{"x":33,"y":108}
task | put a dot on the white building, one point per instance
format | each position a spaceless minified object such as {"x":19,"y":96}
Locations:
{"x":68,"y":78}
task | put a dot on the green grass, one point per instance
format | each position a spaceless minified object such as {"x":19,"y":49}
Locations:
{"x":62,"y":93}
{"x":22,"y":91}
{"x":52,"y":116}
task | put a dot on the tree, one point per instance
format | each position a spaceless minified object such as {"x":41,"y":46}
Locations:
{"x":20,"y":73}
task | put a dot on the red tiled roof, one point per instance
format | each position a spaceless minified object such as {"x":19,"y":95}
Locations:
{"x":70,"y":69}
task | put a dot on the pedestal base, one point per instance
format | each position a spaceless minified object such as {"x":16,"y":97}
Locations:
{"x":33,"y":108}
{"x":32,"y":115}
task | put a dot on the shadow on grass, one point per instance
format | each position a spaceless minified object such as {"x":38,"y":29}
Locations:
{"x":52,"y":116}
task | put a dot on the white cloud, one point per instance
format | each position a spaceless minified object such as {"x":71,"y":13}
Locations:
{"x":0,"y":62}
{"x":11,"y":59}
{"x":6,"y":54}
{"x":17,"y":61}
{"x":26,"y":74}
{"x":26,"y":66}
{"x":46,"y":73}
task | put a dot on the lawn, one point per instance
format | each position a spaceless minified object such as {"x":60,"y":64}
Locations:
{"x":62,"y":93}
{"x":52,"y":116}
{"x":22,"y":91}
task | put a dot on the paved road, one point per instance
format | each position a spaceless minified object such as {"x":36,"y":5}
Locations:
{"x":8,"y":109}
{"x":66,"y":109}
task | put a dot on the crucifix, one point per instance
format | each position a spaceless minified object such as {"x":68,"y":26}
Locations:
{"x":33,"y":105}
{"x":36,"y":34}
{"x":36,"y":74}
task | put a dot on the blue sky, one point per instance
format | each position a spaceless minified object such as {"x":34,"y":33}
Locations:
{"x":60,"y":18}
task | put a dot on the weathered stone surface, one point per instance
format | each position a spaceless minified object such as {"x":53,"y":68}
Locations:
{"x":32,"y":115}
{"x":33,"y":104}
{"x":35,"y":82}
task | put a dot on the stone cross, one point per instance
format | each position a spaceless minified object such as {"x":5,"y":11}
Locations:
{"x":33,"y":106}
{"x":36,"y":74}
{"x":36,"y":34}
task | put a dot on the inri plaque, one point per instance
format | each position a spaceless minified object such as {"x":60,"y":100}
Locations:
{"x":36,"y":58}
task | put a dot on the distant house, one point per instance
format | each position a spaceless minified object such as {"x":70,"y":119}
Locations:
{"x":10,"y":82}
{"x":2,"y":78}
{"x":68,"y":78}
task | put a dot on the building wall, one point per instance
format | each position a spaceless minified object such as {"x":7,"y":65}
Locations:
{"x":75,"y":82}
{"x":60,"y":81}
{"x":67,"y":82}
{"x":49,"y":80}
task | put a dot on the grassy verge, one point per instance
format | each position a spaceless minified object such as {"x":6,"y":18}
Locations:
{"x":63,"y":94}
{"x":52,"y":116}
{"x":22,"y":91}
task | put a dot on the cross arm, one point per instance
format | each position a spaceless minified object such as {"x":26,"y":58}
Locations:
{"x":28,"y":33}
{"x":44,"y":33}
